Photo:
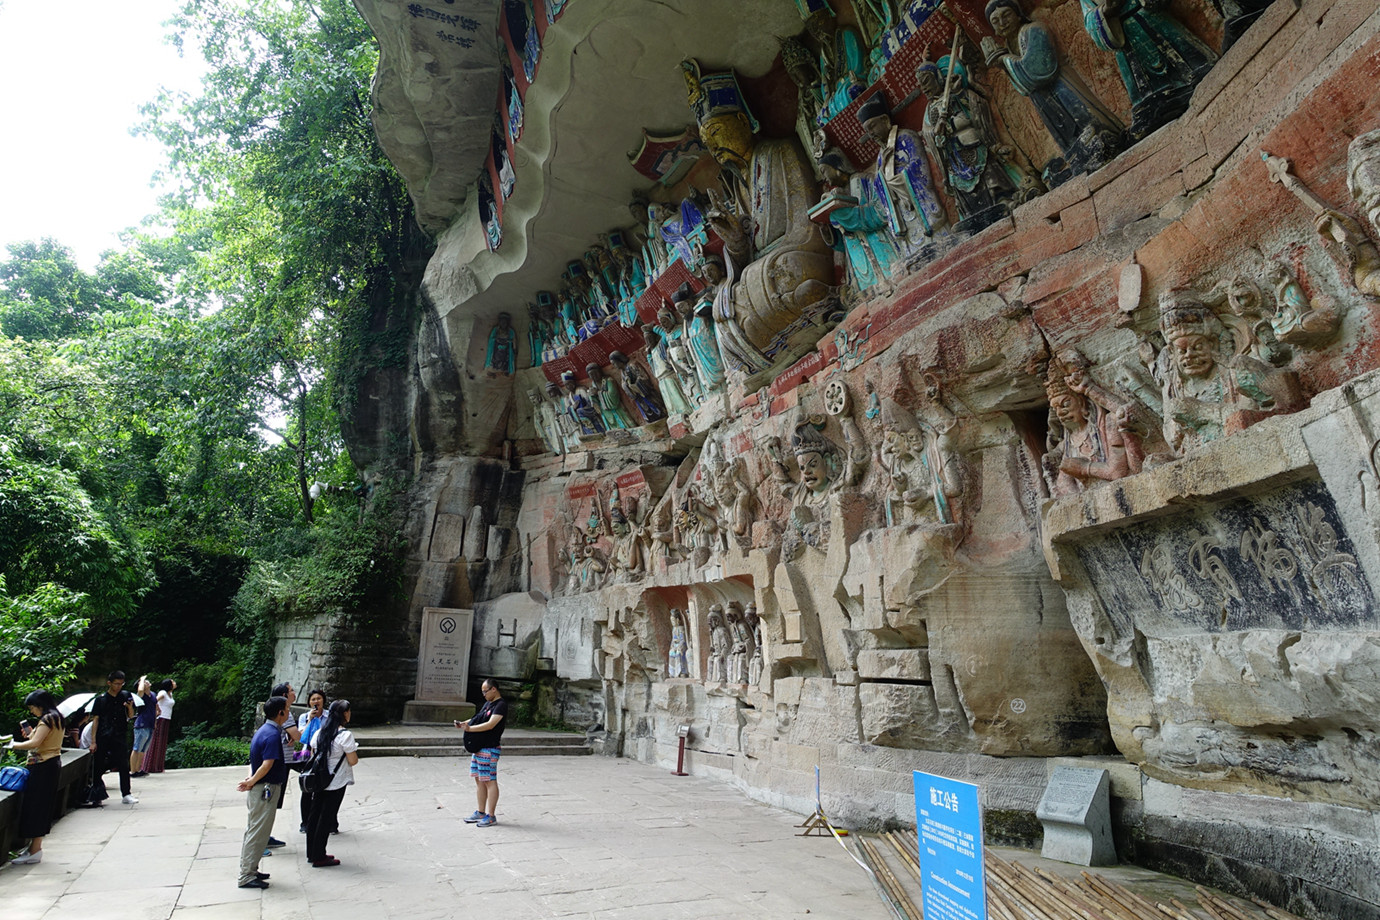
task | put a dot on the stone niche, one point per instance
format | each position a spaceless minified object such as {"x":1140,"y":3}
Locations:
{"x":1092,"y":479}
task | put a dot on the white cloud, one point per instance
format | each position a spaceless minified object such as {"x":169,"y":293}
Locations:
{"x":75,"y":75}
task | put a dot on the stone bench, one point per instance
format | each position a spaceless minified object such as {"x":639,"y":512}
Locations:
{"x":71,"y":780}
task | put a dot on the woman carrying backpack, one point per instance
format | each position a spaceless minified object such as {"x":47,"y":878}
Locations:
{"x":333,"y":758}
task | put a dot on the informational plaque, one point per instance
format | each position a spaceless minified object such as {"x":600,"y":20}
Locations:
{"x":1076,"y":813}
{"x":443,"y":665}
{"x":948,"y":820}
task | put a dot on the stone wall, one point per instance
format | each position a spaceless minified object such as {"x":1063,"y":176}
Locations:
{"x":1094,"y":482}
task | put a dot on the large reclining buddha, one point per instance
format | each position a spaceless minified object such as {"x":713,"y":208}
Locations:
{"x":879,"y":385}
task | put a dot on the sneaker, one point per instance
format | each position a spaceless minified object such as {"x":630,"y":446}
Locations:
{"x":254,"y":883}
{"x":475,"y":818}
{"x":274,"y":842}
{"x":302,"y":829}
{"x":139,"y":774}
{"x":261,"y":875}
{"x":268,"y":852}
{"x":27,"y":859}
{"x":325,"y":863}
{"x":129,"y":800}
{"x":486,"y":821}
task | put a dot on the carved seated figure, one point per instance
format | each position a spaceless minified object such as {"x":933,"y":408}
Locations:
{"x":1208,"y":392}
{"x":789,"y":268}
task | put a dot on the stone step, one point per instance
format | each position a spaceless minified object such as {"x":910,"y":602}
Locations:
{"x":452,"y":739}
{"x":515,"y":750}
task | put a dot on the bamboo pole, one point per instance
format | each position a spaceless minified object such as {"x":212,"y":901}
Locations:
{"x":884,"y":875}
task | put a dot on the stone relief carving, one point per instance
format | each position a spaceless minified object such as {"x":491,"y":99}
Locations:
{"x":1085,"y":130}
{"x":1340,"y":232}
{"x":720,"y":642}
{"x":1091,"y":433}
{"x":1208,"y":390}
{"x":741,"y":651}
{"x":755,"y":661}
{"x":677,"y":660}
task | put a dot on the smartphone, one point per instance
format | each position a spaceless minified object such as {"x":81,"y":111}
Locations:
{"x":458,"y":723}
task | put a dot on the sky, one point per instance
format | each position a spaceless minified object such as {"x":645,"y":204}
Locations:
{"x":74,"y":75}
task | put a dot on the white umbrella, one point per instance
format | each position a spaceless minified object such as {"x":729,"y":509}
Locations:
{"x":75,"y":703}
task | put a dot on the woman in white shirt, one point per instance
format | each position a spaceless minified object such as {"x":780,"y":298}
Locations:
{"x":335,"y":755}
{"x":158,"y":747}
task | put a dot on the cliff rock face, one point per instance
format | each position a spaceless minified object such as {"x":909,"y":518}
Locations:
{"x":1071,"y":459}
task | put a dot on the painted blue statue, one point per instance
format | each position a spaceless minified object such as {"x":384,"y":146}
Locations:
{"x":639,"y":387}
{"x":672,"y":396}
{"x":902,"y":181}
{"x":605,"y":393}
{"x":502,"y":352}
{"x":580,"y":406}
{"x":862,"y":228}
{"x":1160,"y":60}
{"x":1088,"y":134}
{"x":684,"y":234}
{"x":848,"y":67}
{"x":979,"y":171}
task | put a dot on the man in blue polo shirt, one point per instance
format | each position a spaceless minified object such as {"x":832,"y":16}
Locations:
{"x":265,"y":788}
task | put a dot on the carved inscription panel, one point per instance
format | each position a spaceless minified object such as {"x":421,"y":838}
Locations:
{"x":1276,"y":561}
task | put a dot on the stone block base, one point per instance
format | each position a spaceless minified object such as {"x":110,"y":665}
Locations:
{"x":435,"y":712}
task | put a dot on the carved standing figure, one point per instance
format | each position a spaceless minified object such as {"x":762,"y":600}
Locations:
{"x":639,"y":387}
{"x":544,"y":418}
{"x":902,"y":177}
{"x":501,"y":355}
{"x":1160,"y":60}
{"x":741,"y":648}
{"x":1085,"y":130}
{"x":755,"y":662}
{"x":719,"y":645}
{"x":677,"y":661}
{"x":581,"y":406}
{"x":605,"y":390}
{"x":668,"y":383}
{"x":567,"y":425}
{"x":862,"y":227}
{"x":678,"y":351}
{"x":737,"y":352}
{"x":979,"y":171}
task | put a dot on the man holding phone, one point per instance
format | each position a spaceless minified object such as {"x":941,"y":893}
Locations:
{"x":110,"y":715}
{"x":484,"y":735}
{"x":269,"y":773}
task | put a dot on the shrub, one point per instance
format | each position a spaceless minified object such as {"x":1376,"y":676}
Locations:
{"x":208,"y":752}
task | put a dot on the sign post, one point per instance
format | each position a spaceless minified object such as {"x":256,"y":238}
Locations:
{"x":948,"y":820}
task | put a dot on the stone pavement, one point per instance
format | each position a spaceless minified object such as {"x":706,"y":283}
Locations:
{"x":577,"y":837}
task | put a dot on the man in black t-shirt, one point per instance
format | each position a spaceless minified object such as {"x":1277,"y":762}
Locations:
{"x":487,"y":730}
{"x":110,"y":715}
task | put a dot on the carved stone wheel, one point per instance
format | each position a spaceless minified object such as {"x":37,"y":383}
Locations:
{"x":836,"y":401}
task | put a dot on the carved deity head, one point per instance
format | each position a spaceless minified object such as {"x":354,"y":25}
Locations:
{"x":553,"y":391}
{"x":716,"y":616}
{"x":618,"y":359}
{"x":568,"y":382}
{"x":874,"y":115}
{"x":504,"y":321}
{"x":677,"y":618}
{"x":713,"y":271}
{"x":594,"y":372}
{"x":750,"y":614}
{"x":812,"y":453}
{"x":1192,"y":332}
{"x":799,"y":63}
{"x":534,"y":397}
{"x":1005,"y":17}
{"x":928,"y":78}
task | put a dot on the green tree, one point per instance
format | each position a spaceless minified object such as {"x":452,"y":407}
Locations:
{"x":40,"y":642}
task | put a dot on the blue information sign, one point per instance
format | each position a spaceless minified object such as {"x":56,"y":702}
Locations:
{"x":948,"y":819}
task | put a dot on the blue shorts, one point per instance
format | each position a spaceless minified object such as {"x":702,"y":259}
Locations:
{"x":484,"y":765}
{"x":142,"y":736}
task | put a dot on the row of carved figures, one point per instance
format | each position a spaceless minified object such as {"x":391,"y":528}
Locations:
{"x":735,"y":654}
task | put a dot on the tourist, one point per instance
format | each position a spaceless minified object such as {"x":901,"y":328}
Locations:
{"x":486,"y":731}
{"x":162,"y":726}
{"x":143,"y":726}
{"x":307,"y":725}
{"x":44,"y":744}
{"x":290,"y":737}
{"x":110,"y":715}
{"x":335,"y":753}
{"x":268,"y":775}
